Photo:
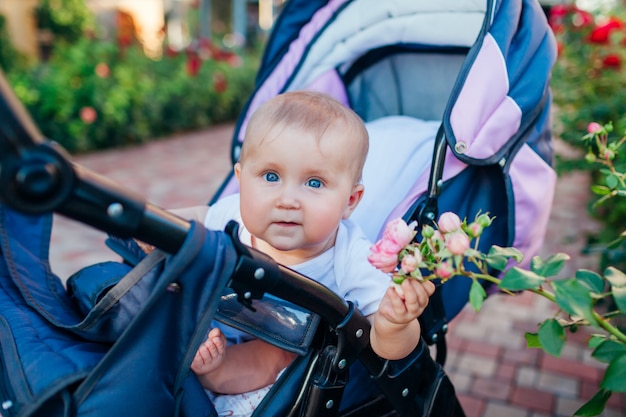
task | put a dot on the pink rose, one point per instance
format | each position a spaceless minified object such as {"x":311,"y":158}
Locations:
{"x":475,"y":229}
{"x":409,"y":264}
{"x":449,"y":222}
{"x":400,"y":233}
{"x":593,"y":127}
{"x":444,"y":271}
{"x":381,"y":258}
{"x":457,"y":243}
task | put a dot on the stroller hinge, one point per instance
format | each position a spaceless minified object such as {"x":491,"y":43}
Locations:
{"x":255,"y":272}
{"x":327,"y":387}
{"x":353,"y":336}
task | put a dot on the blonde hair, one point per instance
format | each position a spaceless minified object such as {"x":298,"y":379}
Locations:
{"x":312,"y":112}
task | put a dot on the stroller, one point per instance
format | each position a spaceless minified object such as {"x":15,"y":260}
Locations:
{"x":121,"y":340}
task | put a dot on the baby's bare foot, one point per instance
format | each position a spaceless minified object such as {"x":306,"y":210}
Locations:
{"x":210,"y":354}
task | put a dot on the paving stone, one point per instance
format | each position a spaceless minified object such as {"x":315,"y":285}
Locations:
{"x":527,"y":376}
{"x":462,"y":381}
{"x":533,"y":399}
{"x":560,"y":385}
{"x":477,"y":365}
{"x":473,"y":407}
{"x":571,"y":368}
{"x":491,"y":389}
{"x":504,"y":410}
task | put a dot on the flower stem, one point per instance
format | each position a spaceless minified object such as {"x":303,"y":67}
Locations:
{"x":609,"y":327}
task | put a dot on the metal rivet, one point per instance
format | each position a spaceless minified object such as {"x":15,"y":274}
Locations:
{"x":236,"y":152}
{"x":405,"y":392}
{"x":444,"y":328}
{"x":439,"y":183}
{"x":115,"y":210}
{"x":342,"y":364}
{"x":460,"y":147}
{"x":330,"y":404}
{"x":247,"y":295}
{"x":174,"y":287}
{"x":435,"y":337}
{"x":359,"y":333}
{"x":430,"y":215}
{"x":259,"y":273}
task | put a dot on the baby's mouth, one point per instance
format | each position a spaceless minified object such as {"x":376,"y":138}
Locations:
{"x":286,"y":224}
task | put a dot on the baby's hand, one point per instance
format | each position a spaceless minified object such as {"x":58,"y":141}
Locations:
{"x":400,"y":306}
{"x":210,"y":354}
{"x":146,"y":247}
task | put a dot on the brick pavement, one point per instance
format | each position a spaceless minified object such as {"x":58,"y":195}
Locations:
{"x":493,"y":372}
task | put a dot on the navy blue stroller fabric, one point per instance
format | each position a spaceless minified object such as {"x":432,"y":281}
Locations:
{"x":59,"y":365}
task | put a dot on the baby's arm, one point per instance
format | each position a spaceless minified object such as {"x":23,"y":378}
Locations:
{"x":395,"y":329}
{"x":244,"y":367}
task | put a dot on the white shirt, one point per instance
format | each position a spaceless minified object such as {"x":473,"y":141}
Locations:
{"x":344,"y":268}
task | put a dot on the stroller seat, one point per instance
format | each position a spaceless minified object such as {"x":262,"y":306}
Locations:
{"x":456,"y":97}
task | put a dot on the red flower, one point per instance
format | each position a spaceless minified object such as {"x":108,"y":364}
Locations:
{"x":582,"y":18}
{"x":559,"y":10}
{"x":600,"y":34}
{"x":170,"y":52}
{"x":88,"y":114}
{"x":612,"y":61}
{"x":102,"y":70}
{"x":220,"y":84}
{"x":193,"y":64}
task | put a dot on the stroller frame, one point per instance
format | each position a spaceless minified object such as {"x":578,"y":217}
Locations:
{"x":37,"y":178}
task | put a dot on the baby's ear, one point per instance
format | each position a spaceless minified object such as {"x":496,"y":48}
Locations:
{"x":237,"y":170}
{"x":353,"y":200}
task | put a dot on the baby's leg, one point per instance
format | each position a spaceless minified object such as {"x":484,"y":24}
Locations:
{"x":210,"y":354}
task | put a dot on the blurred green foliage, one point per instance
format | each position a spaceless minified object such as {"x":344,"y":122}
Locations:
{"x":94,"y":94}
{"x":589,"y":85}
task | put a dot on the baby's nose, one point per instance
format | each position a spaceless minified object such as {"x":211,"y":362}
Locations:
{"x":288,"y":199}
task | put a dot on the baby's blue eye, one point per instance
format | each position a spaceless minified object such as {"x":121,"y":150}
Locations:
{"x":270,"y":176}
{"x":314,"y":183}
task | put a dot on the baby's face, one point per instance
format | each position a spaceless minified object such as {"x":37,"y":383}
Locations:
{"x":295,"y":189}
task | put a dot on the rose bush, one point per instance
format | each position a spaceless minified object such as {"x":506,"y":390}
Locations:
{"x":589,"y":83}
{"x":451,"y":249}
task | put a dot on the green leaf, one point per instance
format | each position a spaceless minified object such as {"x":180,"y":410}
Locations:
{"x":600,"y":190}
{"x":477,"y":295}
{"x":608,"y":350}
{"x":497,"y":262}
{"x":498,"y":257}
{"x":550,"y":266}
{"x":612,"y":182}
{"x":532,"y":340}
{"x":552,"y":337}
{"x":596,"y":340}
{"x":517,"y":279}
{"x":507,"y":252}
{"x":592,"y":279}
{"x":573,"y":297}
{"x":617,"y":279}
{"x":617,"y":242}
{"x":615,"y":375}
{"x":595,"y":405}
